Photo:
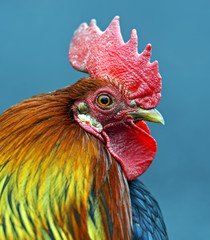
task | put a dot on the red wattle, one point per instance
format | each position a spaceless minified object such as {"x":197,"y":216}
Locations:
{"x":143,"y":126}
{"x":131,"y":145}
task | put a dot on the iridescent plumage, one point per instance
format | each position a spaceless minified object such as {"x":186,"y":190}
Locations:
{"x":56,"y":180}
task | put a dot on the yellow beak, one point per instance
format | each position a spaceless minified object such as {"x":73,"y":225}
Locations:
{"x":151,"y":115}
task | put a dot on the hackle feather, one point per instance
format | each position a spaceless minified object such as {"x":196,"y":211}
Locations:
{"x":56,"y":180}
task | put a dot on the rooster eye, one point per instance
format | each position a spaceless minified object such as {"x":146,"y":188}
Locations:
{"x":104,"y":100}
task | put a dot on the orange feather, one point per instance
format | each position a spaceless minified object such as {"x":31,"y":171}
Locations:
{"x":55,"y":178}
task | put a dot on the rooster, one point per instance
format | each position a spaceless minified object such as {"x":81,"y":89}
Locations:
{"x":70,"y":159}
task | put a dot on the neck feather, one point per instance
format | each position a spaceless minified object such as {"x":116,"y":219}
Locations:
{"x":51,"y":165}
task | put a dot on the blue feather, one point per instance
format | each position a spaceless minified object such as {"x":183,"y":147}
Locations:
{"x":148,"y":223}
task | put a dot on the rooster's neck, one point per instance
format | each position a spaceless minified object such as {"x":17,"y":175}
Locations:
{"x":57,"y":175}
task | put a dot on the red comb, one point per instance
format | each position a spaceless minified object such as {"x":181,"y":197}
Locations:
{"x":105,"y":55}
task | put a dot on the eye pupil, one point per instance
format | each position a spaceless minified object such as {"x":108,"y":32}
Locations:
{"x":104,"y":100}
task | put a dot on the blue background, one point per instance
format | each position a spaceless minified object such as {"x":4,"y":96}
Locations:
{"x":34,"y":41}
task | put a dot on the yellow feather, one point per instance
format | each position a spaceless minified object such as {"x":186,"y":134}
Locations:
{"x":48,"y":168}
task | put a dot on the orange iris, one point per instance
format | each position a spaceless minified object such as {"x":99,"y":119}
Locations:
{"x":104,"y":100}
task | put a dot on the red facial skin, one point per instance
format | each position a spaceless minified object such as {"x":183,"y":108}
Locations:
{"x":128,"y":141}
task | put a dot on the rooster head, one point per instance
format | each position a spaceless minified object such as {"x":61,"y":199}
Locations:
{"x":126,"y":94}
